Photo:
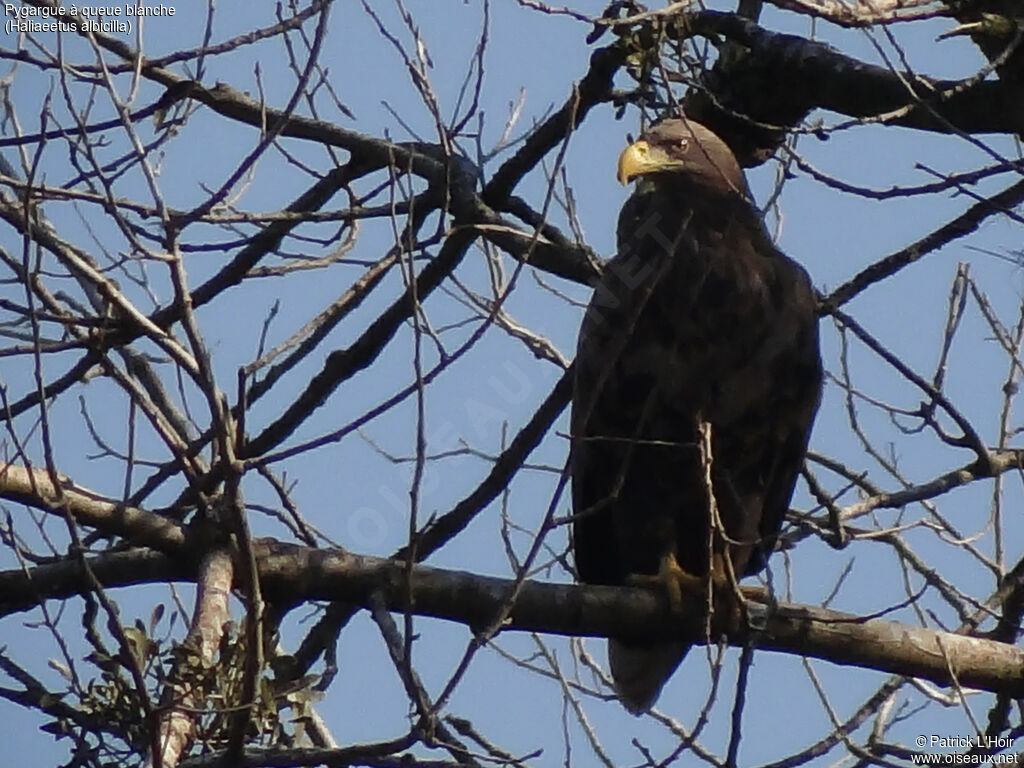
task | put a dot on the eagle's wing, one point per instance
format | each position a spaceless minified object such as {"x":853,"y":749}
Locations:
{"x":793,"y":404}
{"x":619,"y":361}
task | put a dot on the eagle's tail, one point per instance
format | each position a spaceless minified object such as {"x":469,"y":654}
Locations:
{"x":640,"y":671}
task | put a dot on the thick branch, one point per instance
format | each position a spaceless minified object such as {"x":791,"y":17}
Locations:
{"x":821,"y":76}
{"x":295,"y":573}
{"x":181,"y":701}
{"x":34,"y":488}
{"x":816,"y":75}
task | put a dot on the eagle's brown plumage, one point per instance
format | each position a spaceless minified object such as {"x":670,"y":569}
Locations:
{"x":697,"y":317}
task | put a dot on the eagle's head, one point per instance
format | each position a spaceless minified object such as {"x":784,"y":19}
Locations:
{"x":683,"y":150}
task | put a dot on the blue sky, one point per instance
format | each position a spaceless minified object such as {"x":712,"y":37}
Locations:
{"x":358,"y":497}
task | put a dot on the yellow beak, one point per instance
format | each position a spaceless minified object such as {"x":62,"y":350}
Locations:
{"x":634,"y":161}
{"x":640,"y":158}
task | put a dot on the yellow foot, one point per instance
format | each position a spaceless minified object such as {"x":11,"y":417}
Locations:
{"x":673,"y":579}
{"x":727,"y":596}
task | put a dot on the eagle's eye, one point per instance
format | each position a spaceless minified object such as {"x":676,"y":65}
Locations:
{"x":684,"y":144}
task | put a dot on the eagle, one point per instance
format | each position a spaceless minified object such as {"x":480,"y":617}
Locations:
{"x":700,"y":335}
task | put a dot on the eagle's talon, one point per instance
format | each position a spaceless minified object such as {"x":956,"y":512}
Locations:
{"x":672,"y":579}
